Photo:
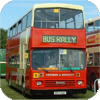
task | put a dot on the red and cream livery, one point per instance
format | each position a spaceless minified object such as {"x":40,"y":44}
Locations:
{"x":46,"y":51}
{"x":93,"y":52}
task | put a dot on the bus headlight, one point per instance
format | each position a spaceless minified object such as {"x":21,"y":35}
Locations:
{"x":80,"y":82}
{"x":38,"y":83}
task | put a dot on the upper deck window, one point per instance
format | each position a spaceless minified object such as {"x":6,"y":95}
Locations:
{"x":14,"y":29}
{"x":11,"y":33}
{"x":8,"y":33}
{"x":97,"y":25}
{"x":29,"y":19}
{"x":24,"y":22}
{"x":59,"y":18}
{"x":90,"y":27}
{"x":19,"y":26}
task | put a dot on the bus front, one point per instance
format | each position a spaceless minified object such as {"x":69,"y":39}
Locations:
{"x":58,"y":50}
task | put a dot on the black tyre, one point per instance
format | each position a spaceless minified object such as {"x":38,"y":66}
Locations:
{"x":70,"y":95}
{"x":23,"y":89}
{"x":92,"y":79}
{"x":9,"y":82}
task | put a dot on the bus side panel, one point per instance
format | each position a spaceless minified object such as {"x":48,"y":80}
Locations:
{"x":27,"y":79}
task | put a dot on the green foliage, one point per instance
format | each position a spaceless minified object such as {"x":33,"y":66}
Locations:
{"x":3,"y":38}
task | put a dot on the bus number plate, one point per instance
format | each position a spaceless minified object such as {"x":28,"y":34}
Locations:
{"x":60,"y":92}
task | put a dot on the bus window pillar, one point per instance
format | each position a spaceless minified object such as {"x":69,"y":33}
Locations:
{"x":74,"y":22}
{"x":46,"y":22}
{"x":41,"y":23}
{"x":59,"y":17}
{"x":93,"y":59}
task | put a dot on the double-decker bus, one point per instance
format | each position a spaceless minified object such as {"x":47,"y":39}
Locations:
{"x":93,"y":50}
{"x":46,"y":51}
{"x":2,"y":62}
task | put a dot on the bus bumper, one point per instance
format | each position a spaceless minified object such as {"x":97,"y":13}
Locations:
{"x":52,"y":92}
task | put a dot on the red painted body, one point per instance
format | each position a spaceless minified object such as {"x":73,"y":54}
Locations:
{"x":36,"y":38}
{"x":12,"y":48}
{"x":35,"y":41}
{"x":94,"y":69}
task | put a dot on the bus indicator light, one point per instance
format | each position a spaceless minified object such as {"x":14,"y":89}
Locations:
{"x":77,"y":74}
{"x":35,"y":75}
{"x":41,"y":75}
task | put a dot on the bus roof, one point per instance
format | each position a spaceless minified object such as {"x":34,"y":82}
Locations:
{"x":92,"y":20}
{"x":48,"y":5}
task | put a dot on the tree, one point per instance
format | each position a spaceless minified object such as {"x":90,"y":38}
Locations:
{"x":3,"y":38}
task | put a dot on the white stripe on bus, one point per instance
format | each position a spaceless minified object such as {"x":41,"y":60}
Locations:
{"x":2,"y":62}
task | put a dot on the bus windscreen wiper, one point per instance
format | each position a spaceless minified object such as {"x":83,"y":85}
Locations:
{"x":37,"y":63}
{"x":71,"y":70}
{"x":45,"y":70}
{"x":40,"y":66}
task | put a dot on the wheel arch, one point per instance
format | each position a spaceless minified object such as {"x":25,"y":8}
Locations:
{"x":22,"y":78}
{"x":93,"y":73}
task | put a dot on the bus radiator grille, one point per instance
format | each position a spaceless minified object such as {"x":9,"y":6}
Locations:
{"x":59,"y":83}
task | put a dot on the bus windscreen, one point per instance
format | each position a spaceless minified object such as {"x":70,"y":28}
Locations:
{"x":58,"y":59}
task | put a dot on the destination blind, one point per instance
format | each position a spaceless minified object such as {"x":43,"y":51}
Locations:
{"x":59,"y":39}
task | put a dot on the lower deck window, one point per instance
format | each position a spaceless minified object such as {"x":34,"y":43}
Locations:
{"x":58,"y":59}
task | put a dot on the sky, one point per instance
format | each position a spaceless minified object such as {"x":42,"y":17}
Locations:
{"x":15,"y":9}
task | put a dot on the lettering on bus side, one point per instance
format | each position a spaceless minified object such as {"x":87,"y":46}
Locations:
{"x":59,"y":39}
